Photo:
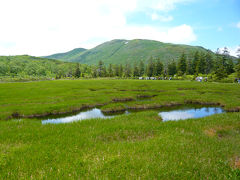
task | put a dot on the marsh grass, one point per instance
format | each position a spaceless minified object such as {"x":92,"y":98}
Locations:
{"x":133,"y":146}
{"x":36,"y":98}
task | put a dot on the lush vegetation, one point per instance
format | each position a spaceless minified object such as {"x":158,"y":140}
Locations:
{"x":68,"y":55}
{"x":131,"y":146}
{"x":215,"y":67}
{"x":124,"y":51}
{"x":67,"y":95}
{"x":29,"y":67}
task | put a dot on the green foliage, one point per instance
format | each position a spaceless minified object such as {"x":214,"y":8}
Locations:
{"x":150,"y":67}
{"x":134,"y":146}
{"x":172,"y":68}
{"x":202,"y":64}
{"x":29,"y":66}
{"x":110,"y":70}
{"x":195,"y":63}
{"x":124,"y":51}
{"x":68,"y":55}
{"x":220,"y":72}
{"x":158,"y":68}
{"x":135,"y":70}
{"x":77,"y":72}
{"x":100,"y":69}
{"x":128,"y":70}
{"x":141,"y":68}
{"x":209,"y":63}
{"x":182,"y":64}
{"x":238,"y":68}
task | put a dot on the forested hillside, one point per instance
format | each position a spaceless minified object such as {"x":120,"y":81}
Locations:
{"x":133,"y":51}
{"x":28,"y":66}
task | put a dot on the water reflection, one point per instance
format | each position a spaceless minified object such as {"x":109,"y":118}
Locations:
{"x":190,"y":113}
{"x":167,"y":114}
{"x":91,"y":114}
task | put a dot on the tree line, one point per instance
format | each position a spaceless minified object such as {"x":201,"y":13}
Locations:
{"x":220,"y":65}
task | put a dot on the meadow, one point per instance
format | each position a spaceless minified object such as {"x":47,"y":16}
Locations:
{"x":137,"y":145}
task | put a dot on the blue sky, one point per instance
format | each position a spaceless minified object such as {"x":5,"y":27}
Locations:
{"x":214,"y":22}
{"x":43,"y":27}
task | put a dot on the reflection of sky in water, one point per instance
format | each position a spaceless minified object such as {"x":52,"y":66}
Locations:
{"x":189,"y":113}
{"x":94,"y":113}
{"x":166,"y":116}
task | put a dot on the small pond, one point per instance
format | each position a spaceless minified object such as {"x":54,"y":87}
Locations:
{"x":89,"y":114}
{"x":167,"y":114}
{"x":183,"y":114}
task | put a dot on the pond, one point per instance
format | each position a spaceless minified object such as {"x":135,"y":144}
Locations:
{"x":90,"y":114}
{"x":183,"y":114}
{"x":167,"y":114}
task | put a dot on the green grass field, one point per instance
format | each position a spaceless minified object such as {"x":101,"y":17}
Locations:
{"x":138,"y":145}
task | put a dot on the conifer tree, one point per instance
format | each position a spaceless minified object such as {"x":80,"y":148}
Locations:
{"x":128,"y":70}
{"x":159,"y":68}
{"x":116,"y":70}
{"x":172,"y":68}
{"x":100,"y":68}
{"x":209,"y":63}
{"x":77,"y":72}
{"x":135,"y":70}
{"x":141,"y":68}
{"x":150,"y":67}
{"x":110,"y":71}
{"x":182,"y":65}
{"x":120,"y":70}
{"x":195,"y":62}
{"x":202,"y":64}
{"x":189,"y":67}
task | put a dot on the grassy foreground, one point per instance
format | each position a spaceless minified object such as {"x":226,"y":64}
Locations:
{"x":137,"y":145}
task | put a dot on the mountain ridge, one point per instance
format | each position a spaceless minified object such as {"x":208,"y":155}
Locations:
{"x":120,"y":51}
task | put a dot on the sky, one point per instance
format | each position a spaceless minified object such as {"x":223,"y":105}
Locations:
{"x":44,"y":27}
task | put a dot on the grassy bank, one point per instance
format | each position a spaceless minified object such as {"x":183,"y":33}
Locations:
{"x":127,"y":146}
{"x":46,"y":97}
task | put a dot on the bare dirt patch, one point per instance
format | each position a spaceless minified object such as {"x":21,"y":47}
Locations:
{"x":235,"y":162}
{"x":122,"y":99}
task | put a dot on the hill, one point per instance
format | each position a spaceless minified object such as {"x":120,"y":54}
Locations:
{"x":67,"y":56}
{"x":25,"y":66}
{"x":122,"y":51}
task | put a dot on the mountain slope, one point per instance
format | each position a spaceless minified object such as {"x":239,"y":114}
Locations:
{"x":67,"y":56}
{"x":123,"y":51}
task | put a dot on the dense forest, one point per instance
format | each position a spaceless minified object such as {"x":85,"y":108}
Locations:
{"x":201,"y":64}
{"x":216,"y":67}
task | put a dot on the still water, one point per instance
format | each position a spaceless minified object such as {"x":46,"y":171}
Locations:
{"x":190,"y":113}
{"x":90,"y":114}
{"x":171,"y":114}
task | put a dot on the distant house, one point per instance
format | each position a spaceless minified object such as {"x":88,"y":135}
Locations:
{"x":141,"y":78}
{"x":147,"y":78}
{"x":153,"y":78}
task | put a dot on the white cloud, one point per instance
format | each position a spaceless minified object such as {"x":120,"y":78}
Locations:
{"x":43,"y":27}
{"x":238,"y":25}
{"x":162,"y":18}
{"x":232,"y":50}
{"x":219,"y":29}
{"x":161,"y":5}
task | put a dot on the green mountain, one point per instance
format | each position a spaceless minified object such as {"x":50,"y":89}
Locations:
{"x":67,"y":56}
{"x":123,"y":51}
